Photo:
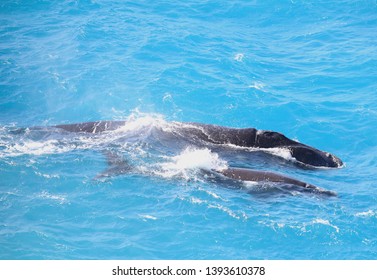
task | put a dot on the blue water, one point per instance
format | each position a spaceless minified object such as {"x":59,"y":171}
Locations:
{"x":304,"y":68}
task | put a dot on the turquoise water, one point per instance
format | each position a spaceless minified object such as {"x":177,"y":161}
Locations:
{"x":304,"y":68}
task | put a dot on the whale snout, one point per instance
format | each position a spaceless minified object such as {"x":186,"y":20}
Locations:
{"x":334,"y":161}
{"x":316,"y":158}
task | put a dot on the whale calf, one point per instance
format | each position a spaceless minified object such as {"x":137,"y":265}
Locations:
{"x":248,"y":175}
{"x":229,"y":176}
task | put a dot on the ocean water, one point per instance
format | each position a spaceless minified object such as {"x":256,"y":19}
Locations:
{"x":304,"y":68}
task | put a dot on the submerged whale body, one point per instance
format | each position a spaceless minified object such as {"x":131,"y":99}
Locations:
{"x":220,"y":135}
{"x":247,"y":175}
{"x":118,"y":165}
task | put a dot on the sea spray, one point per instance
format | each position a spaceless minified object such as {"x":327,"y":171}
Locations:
{"x":190,"y":161}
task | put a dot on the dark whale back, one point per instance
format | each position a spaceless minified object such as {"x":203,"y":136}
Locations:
{"x":243,"y":174}
{"x":242,"y":137}
{"x":92,"y":127}
{"x":253,"y":138}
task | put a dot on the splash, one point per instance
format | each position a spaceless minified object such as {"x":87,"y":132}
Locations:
{"x":190,"y":161}
{"x":139,"y":121}
{"x":35,"y":148}
{"x":199,"y":158}
{"x":138,"y":126}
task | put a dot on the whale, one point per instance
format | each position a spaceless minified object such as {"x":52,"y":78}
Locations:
{"x":282,"y":181}
{"x":230,"y":177}
{"x":205,"y":134}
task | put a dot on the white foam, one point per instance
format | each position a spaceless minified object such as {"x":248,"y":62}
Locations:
{"x":134,"y":123}
{"x":190,"y":161}
{"x":138,"y":125}
{"x":59,"y":198}
{"x":48,"y":176}
{"x":225,"y":210}
{"x":167,"y":97}
{"x":257,"y":85}
{"x":239,"y":57}
{"x":199,"y":158}
{"x":195,"y":200}
{"x":217,"y":206}
{"x":147,"y":217}
{"x":251,"y":184}
{"x":326,"y":223}
{"x":369,"y":213}
{"x":141,"y":125}
{"x":36,"y":148}
{"x":212,"y":194}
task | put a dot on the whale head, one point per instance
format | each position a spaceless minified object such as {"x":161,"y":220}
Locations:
{"x":315,"y":158}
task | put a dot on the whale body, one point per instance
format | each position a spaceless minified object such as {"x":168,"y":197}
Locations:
{"x":248,"y":175}
{"x":219,"y":135}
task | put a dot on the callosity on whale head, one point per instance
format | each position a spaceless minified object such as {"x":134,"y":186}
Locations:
{"x":314,"y":157}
